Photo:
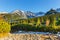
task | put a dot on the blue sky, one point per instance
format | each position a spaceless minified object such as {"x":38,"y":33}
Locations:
{"x":28,"y":5}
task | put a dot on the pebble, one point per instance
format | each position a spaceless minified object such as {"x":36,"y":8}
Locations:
{"x":24,"y":37}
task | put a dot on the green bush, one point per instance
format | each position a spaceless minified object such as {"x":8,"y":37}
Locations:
{"x":25,"y":27}
{"x":58,"y":23}
{"x":4,"y":27}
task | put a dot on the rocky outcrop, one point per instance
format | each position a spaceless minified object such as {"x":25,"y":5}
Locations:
{"x":30,"y":37}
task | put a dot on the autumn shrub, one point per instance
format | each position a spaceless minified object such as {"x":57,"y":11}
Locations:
{"x":4,"y":26}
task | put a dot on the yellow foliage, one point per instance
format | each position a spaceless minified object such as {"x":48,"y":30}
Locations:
{"x":38,"y":22}
{"x":47,"y":22}
{"x":4,"y":26}
{"x":3,"y":35}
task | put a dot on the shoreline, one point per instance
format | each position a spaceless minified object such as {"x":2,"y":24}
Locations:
{"x":30,"y":37}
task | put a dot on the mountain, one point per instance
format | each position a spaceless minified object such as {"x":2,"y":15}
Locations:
{"x":30,"y":14}
{"x":58,"y":9}
{"x":3,"y":12}
{"x":27,"y":14}
{"x":23,"y":14}
{"x":20,"y":13}
{"x":51,"y":11}
{"x":39,"y":14}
